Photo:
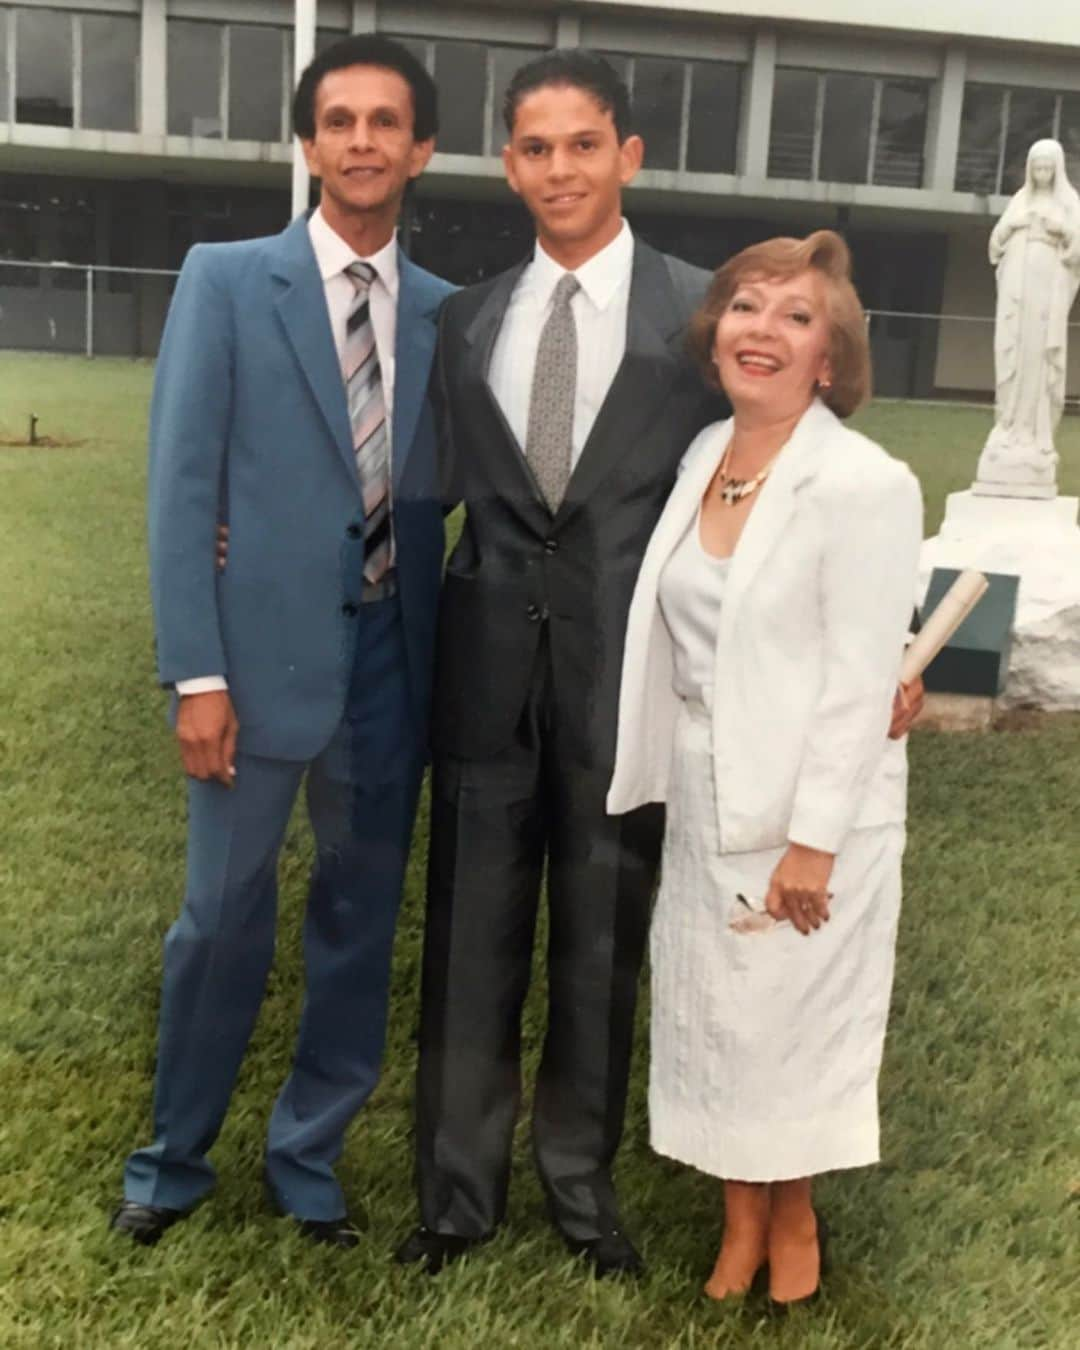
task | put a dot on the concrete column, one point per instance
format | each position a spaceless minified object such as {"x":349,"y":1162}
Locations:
{"x":568,"y":30}
{"x":943,"y":122}
{"x":152,"y":70}
{"x":755,"y":114}
{"x":363,"y":16}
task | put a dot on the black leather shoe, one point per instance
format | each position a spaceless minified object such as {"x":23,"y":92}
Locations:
{"x":344,"y":1232}
{"x":434,"y":1250}
{"x":144,"y":1223}
{"x":612,"y":1253}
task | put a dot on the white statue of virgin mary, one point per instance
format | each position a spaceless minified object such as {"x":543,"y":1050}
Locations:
{"x":1035,"y":247}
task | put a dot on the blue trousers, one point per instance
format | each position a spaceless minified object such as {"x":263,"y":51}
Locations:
{"x":361,"y":796}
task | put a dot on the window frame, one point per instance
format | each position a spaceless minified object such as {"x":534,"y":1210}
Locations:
{"x":1005,"y":93}
{"x":877,"y":98}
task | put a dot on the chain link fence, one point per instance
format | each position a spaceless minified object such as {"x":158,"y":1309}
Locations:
{"x":95,"y":311}
{"x":120,"y":311}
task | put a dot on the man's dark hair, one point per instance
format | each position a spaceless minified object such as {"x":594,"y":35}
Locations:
{"x":367,"y":49}
{"x":577,"y":68}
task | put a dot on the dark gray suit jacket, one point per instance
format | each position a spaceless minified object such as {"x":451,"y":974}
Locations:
{"x":517,"y":570}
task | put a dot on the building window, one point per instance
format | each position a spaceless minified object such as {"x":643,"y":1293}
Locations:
{"x":43,"y":68}
{"x":472,"y":80}
{"x":1069,"y":136}
{"x":998,"y":127}
{"x":110,"y":63}
{"x":900,"y":145}
{"x":229,"y":80}
{"x":20,"y":227}
{"x":504,"y":62}
{"x":687,"y":112}
{"x":256,"y":83}
{"x":71,"y":70}
{"x":324,"y":37}
{"x":76,"y":230}
{"x":793,"y":136}
{"x":658,"y":109}
{"x":461,"y":75}
{"x":194,"y":79}
{"x":978,"y":160}
{"x":715,"y":91}
{"x":840,"y":128}
{"x":622,"y":65}
{"x":1029,"y":118}
{"x":846,"y":121}
{"x":5,"y":88}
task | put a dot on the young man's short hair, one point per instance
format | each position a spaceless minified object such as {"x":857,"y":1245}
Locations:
{"x":575,"y":68}
{"x":367,"y":49}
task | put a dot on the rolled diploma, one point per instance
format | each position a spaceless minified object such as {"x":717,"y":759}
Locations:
{"x":955,"y":605}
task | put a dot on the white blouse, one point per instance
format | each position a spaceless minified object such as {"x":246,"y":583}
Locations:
{"x":691,"y":593}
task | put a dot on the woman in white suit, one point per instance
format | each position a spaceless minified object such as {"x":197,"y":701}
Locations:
{"x":762,"y":656}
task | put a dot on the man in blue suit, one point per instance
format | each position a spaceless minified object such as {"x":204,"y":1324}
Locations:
{"x":291,"y":401}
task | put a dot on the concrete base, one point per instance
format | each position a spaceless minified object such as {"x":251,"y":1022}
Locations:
{"x":957,"y":712}
{"x":1038,"y":541}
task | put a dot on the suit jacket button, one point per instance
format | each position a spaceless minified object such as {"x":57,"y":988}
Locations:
{"x":551,"y":546}
{"x":533,"y":613}
{"x":349,"y":609}
{"x":355,"y":532}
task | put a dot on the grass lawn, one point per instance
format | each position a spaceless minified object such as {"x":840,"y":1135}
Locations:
{"x":965,"y":1237}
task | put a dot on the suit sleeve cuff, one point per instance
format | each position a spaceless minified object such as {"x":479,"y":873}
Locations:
{"x":813,"y":828}
{"x":205,"y":684}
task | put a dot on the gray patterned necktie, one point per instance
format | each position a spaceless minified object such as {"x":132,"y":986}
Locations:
{"x":367,"y":413}
{"x":549,"y":435}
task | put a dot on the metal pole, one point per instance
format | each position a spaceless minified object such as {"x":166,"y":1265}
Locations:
{"x":303,"y":51}
{"x":89,"y":311}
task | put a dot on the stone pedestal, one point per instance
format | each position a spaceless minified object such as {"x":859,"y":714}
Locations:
{"x":957,"y":712}
{"x":1038,"y":541}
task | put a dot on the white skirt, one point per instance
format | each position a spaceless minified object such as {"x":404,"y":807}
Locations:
{"x":765,"y":1046}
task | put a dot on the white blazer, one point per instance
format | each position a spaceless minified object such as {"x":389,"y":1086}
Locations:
{"x":816,"y":605}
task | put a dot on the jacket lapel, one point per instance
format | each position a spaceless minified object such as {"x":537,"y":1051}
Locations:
{"x":654,"y":330}
{"x":301,"y":307}
{"x":776,"y":501}
{"x":414,"y":348}
{"x":513,"y":479}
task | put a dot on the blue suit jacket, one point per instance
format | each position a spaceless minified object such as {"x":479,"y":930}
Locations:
{"x":249,"y":424}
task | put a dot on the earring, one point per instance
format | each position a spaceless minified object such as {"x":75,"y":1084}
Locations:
{"x":824,"y":384}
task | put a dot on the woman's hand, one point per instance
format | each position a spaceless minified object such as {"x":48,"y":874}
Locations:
{"x":798,"y":888}
{"x":908,"y":703}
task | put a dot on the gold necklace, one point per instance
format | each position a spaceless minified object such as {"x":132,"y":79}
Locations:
{"x":733,"y":490}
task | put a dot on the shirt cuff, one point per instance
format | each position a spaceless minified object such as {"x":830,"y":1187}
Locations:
{"x":205,"y":684}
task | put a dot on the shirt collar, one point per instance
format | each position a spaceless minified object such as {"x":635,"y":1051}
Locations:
{"x":333,"y":254}
{"x":600,"y":277}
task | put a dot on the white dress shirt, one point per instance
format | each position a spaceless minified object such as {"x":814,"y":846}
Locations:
{"x":599,"y":309}
{"x":332,"y":256}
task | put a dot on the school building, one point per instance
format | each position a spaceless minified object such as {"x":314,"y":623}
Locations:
{"x":130,"y":129}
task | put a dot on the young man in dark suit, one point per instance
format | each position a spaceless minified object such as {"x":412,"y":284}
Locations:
{"x":569,"y":400}
{"x":291,"y":399}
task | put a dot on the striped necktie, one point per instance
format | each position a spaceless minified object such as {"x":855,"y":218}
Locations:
{"x":367,"y":413}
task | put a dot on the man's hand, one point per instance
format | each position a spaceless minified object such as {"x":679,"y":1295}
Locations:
{"x":798,"y":888}
{"x":222,"y":547}
{"x":907,"y":705}
{"x":206,"y":728}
